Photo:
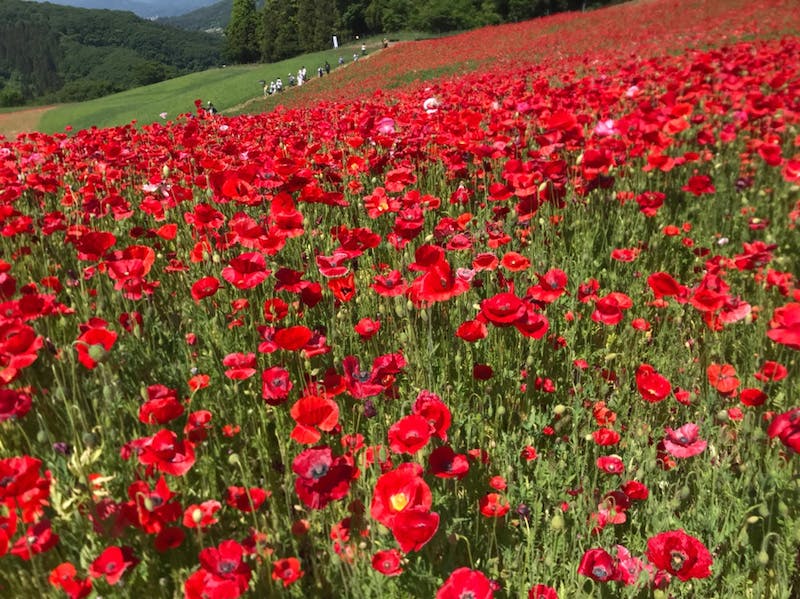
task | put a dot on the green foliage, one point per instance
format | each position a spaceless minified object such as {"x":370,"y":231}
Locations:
{"x":243,"y":33}
{"x":60,"y":53}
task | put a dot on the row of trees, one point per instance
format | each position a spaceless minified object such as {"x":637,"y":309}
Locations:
{"x":283,"y":28}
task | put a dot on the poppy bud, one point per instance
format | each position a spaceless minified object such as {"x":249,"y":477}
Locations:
{"x":97,"y":352}
{"x":233,"y":459}
{"x":557,"y":522}
{"x":763,"y":557}
{"x":753,"y":519}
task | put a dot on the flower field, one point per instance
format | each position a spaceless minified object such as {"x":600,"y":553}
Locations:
{"x":527,"y":327}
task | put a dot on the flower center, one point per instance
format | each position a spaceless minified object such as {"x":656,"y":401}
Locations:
{"x":318,"y":471}
{"x":398,"y":501}
{"x":676,"y":560}
{"x":226,"y":567}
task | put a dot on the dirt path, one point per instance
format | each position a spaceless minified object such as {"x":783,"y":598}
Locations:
{"x":19,"y":121}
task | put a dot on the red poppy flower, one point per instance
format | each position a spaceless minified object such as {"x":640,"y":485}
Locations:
{"x":168,"y":454}
{"x":409,"y":434}
{"x":92,"y":245}
{"x":514,"y":262}
{"x":503,"y":309}
{"x":19,"y":345}
{"x":244,"y":499}
{"x":321,"y":477}
{"x":240,"y":366}
{"x":611,"y":464}
{"x":367,"y":328}
{"x":413,"y":527}
{"x":225,"y":562}
{"x":292,"y":338}
{"x":199,"y":381}
{"x":650,"y":201}
{"x":609,"y":309}
{"x":246,"y":270}
{"x":605,"y":437}
{"x":388,"y":562}
{"x":313,"y":414}
{"x":93,"y":346}
{"x":771,"y":371}
{"x":151,"y":509}
{"x":275,"y":385}
{"x":786,"y":427}
{"x":552,"y":285}
{"x":38,"y":538}
{"x":684,"y":442}
{"x":542,"y":591}
{"x":435,"y":411}
{"x":112,"y":564}
{"x":587,"y":291}
{"x":397,"y":490}
{"x":275,"y":309}
{"x":161,"y":406}
{"x":723,"y":378}
{"x":287,"y":570}
{"x":201,"y":516}
{"x":14,"y":403}
{"x":492,"y":505}
{"x":343,"y":288}
{"x":635,"y":490}
{"x":446,"y":463}
{"x":205,"y":287}
{"x":625,"y":254}
{"x":699,"y":185}
{"x":390,"y":285}
{"x":652,"y":386}
{"x":679,"y":554}
{"x":598,"y":565}
{"x":784,"y":327}
{"x":64,"y":577}
{"x":471,"y":330}
{"x":752,"y":397}
{"x":463,"y":583}
{"x":533,"y":324}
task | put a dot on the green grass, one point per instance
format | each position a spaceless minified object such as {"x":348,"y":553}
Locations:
{"x":228,"y":88}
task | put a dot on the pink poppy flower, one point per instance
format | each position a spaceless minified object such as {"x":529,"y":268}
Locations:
{"x":684,"y":442}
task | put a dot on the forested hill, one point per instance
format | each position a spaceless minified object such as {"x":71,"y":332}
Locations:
{"x":214,"y":17}
{"x":52,"y":53}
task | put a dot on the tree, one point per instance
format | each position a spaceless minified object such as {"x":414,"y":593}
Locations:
{"x":242,"y":43}
{"x":279,"y":37}
{"x":325,"y":19}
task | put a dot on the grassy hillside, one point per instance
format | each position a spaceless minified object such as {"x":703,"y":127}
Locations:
{"x":51,"y":53}
{"x":229,"y":88}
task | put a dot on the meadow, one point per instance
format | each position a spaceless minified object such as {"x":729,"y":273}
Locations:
{"x":513,"y":313}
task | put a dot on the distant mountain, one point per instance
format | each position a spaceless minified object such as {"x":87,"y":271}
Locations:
{"x":148,"y":9}
{"x":212,"y":18}
{"x":57,"y":53}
